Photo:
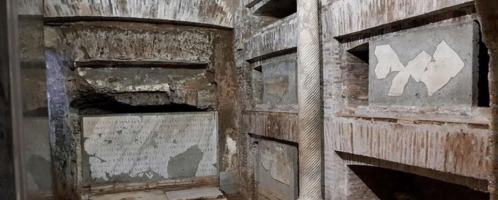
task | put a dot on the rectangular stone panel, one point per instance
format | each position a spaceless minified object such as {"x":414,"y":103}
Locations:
{"x":434,"y":66}
{"x":277,"y":171}
{"x":149,"y":147}
{"x":280,"y":82}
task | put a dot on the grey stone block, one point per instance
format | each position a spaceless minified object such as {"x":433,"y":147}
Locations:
{"x":427,"y":67}
{"x":277,"y":170}
{"x":280,"y":82}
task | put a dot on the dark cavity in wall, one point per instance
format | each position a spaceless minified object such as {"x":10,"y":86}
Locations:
{"x":483,"y":70}
{"x":361,"y":52}
{"x":278,"y":8}
{"x":393,"y":185}
{"x":105,"y":104}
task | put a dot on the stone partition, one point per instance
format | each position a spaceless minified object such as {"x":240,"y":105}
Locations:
{"x":149,"y":147}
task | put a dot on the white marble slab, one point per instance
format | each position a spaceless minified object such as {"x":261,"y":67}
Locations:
{"x":144,"y":147}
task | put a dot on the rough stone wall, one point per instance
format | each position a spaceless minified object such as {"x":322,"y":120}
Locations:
{"x":404,"y":136}
{"x":217,"y":13}
{"x":488,"y":11}
{"x":265,"y":54}
{"x":104,"y":67}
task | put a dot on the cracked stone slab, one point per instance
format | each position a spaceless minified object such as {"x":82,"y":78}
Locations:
{"x":149,"y":147}
{"x":277,"y":170}
{"x":435,"y":66}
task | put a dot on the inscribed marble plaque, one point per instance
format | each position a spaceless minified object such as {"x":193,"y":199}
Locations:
{"x":149,"y":147}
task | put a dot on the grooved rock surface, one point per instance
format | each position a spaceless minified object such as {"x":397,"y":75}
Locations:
{"x":212,"y":12}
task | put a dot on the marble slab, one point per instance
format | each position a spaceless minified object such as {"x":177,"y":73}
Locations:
{"x":277,"y":170}
{"x":438,"y":69}
{"x":149,"y":147}
{"x":280,"y":82}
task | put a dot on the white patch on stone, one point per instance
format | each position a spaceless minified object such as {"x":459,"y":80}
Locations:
{"x":388,"y":61}
{"x":81,"y":72}
{"x":434,"y":74}
{"x":232,"y":148}
{"x":448,"y":64}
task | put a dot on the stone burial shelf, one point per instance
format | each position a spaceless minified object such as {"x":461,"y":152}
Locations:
{"x":149,"y":147}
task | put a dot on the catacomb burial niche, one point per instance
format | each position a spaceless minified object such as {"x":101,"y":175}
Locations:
{"x":355,"y":66}
{"x":277,"y":9}
{"x":439,"y":69}
{"x":274,"y":83}
{"x":276,"y":169}
{"x":386,"y":184}
{"x":447,"y":65}
{"x":143,"y":87}
{"x":266,"y":12}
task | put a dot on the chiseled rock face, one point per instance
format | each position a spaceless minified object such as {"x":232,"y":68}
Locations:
{"x":138,"y":64}
{"x":130,"y":42}
{"x":436,"y":70}
{"x":211,"y":12}
{"x":135,"y":148}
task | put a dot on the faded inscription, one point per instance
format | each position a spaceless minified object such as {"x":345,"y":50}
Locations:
{"x":434,"y":71}
{"x":150,"y":147}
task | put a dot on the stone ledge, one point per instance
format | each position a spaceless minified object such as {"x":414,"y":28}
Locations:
{"x":277,"y":38}
{"x":371,"y":14}
{"x":280,"y":126}
{"x":451,"y":149}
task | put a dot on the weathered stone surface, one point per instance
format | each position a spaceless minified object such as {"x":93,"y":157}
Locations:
{"x":437,"y":70}
{"x":454,"y":149}
{"x":277,"y":170}
{"x":196,"y":193}
{"x":31,"y":39}
{"x":137,"y":42}
{"x":165,"y":84}
{"x":38,"y":159}
{"x":342,"y":17}
{"x":278,"y":37}
{"x":280,"y":83}
{"x":30,"y":7}
{"x":216,"y":12}
{"x":149,"y":147}
{"x":282,"y":126}
{"x":149,"y":195}
{"x":275,"y":8}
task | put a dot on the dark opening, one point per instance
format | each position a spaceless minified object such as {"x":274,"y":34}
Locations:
{"x":361,"y":52}
{"x":277,"y":8}
{"x":105,"y":104}
{"x":483,"y":71}
{"x":393,"y":185}
{"x":355,"y":69}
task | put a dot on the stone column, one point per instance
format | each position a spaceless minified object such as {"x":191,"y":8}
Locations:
{"x":309,"y":100}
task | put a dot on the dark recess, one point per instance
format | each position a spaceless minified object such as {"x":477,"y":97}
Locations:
{"x":392,"y":185}
{"x":483,"y":71}
{"x":278,"y":8}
